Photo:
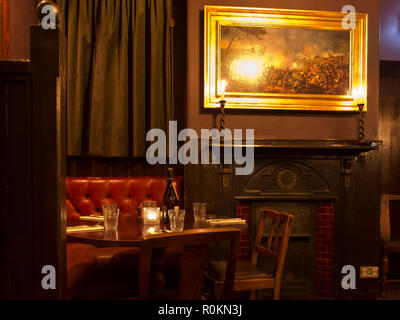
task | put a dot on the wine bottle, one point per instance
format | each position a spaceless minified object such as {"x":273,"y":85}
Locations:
{"x":171,"y":199}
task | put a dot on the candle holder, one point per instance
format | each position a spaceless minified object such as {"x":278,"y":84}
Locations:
{"x":151,"y":215}
{"x":222,"y":122}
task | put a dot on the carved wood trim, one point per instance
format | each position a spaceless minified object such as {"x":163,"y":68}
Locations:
{"x":347,"y":170}
{"x":292,"y":178}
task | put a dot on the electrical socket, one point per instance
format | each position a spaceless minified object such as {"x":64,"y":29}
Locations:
{"x":369,"y":272}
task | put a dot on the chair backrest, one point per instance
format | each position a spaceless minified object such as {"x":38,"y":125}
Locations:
{"x":278,"y":238}
{"x":386,"y":232}
{"x":194,"y":245}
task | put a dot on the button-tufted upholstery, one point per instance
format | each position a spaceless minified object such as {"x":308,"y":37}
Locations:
{"x":85,"y":196}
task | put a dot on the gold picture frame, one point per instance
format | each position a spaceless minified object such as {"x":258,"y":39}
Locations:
{"x":278,"y":59}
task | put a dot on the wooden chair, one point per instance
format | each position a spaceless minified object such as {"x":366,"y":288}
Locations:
{"x":248,"y":276}
{"x":193,"y":257}
{"x":389,"y":242}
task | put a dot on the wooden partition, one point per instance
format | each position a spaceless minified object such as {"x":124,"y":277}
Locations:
{"x":16,"y":266}
{"x":33,"y":166}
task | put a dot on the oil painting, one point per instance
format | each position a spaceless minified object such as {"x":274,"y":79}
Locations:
{"x":283,"y":59}
{"x":299,"y":61}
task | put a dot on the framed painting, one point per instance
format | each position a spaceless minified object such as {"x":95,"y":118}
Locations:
{"x":284,"y":59}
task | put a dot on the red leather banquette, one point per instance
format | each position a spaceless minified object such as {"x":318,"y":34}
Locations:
{"x":85,"y":196}
{"x":107,"y":273}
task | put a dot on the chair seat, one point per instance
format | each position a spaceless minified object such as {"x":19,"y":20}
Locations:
{"x":244,"y":270}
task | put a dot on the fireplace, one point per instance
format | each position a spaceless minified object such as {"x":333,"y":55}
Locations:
{"x":291,"y":185}
{"x":331,"y":188}
{"x":312,"y":240}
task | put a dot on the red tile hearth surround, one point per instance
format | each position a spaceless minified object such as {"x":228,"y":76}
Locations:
{"x":324,"y":245}
{"x":243,"y":210}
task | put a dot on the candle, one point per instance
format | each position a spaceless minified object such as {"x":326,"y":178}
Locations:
{"x":359,"y":95}
{"x":223,"y":88}
{"x":151,"y":216}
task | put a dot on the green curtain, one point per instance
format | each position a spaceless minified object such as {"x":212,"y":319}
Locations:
{"x":118,"y":84}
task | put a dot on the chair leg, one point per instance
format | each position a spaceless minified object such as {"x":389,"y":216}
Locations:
{"x":385,"y":271}
{"x":218,"y":291}
{"x":277,"y":290}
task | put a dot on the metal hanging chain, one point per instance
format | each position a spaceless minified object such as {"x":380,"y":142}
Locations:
{"x":362,"y":123}
{"x":222,"y":115}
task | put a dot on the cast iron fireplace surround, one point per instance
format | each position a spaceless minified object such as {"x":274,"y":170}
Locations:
{"x":299,"y":176}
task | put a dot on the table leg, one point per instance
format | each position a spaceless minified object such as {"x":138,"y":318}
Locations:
{"x":385,"y":271}
{"x":157,"y":272}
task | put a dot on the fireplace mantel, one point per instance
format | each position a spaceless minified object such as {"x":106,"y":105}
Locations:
{"x":309,"y":146}
{"x":316,"y":144}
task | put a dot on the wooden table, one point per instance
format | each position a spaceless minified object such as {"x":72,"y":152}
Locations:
{"x":128,"y":235}
{"x":131,"y":235}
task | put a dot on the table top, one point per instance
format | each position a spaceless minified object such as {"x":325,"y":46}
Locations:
{"x":131,"y":234}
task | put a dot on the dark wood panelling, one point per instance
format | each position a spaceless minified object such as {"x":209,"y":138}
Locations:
{"x":389,"y":133}
{"x":390,"y":69}
{"x":116,"y":167}
{"x":102,"y":169}
{"x":16,"y":251}
{"x":363,"y":232}
{"x":119,"y":167}
{"x":389,"y":129}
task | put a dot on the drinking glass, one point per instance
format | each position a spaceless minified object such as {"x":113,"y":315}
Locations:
{"x":176,"y":220}
{"x":196,"y":209}
{"x":110,"y":234}
{"x":203,"y":210}
{"x":109,"y":206}
{"x":111,"y":214}
{"x":199,"y":210}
